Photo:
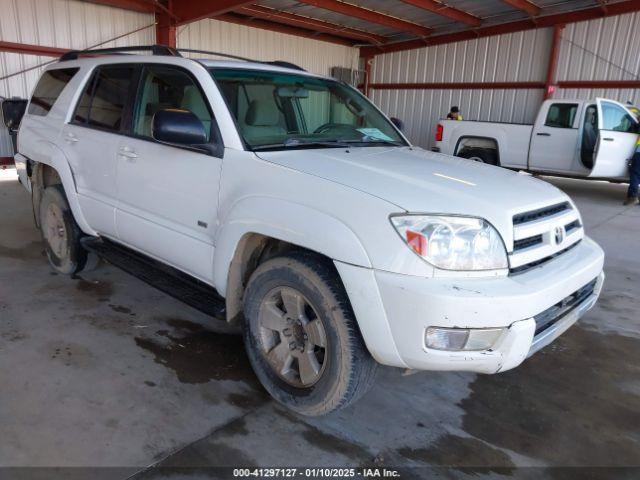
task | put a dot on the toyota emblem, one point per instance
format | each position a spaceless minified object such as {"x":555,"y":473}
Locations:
{"x":559,"y":235}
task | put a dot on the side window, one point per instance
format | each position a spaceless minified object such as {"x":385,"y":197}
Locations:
{"x":167,"y":88}
{"x":49,"y":88}
{"x":103,"y":101}
{"x":617,"y":118}
{"x":110,"y":95}
{"x":561,"y":115}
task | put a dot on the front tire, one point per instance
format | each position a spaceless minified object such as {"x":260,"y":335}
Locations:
{"x":302,"y":337}
{"x":61,"y":234}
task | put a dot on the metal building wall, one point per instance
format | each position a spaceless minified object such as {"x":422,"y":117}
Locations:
{"x":313,"y":55}
{"x":520,"y":56}
{"x":604,"y":49}
{"x":63,"y":24}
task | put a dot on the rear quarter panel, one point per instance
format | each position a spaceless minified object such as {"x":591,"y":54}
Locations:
{"x":512,"y":139}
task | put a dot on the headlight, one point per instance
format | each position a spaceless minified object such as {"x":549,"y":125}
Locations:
{"x":453,"y":243}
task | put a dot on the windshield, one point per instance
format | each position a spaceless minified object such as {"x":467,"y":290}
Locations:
{"x":278,"y":111}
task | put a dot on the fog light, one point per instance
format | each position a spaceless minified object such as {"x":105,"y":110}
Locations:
{"x":473,"y":339}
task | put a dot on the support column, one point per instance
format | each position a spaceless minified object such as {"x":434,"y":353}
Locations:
{"x":552,"y":66}
{"x":368,"y":63}
{"x":166,"y":26}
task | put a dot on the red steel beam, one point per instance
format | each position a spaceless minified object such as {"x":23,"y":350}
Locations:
{"x":144,"y":6}
{"x":281,"y":28}
{"x":32,"y":49}
{"x":552,"y":66}
{"x":192,"y":10}
{"x":524,"y":5}
{"x":457,"y":86}
{"x":446,"y":11}
{"x":166,"y":25}
{"x":370,"y":16}
{"x":258,"y":11}
{"x":619,"y":8}
{"x":588,"y":84}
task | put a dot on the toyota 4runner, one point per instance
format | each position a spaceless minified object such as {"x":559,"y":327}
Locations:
{"x":288,"y":204}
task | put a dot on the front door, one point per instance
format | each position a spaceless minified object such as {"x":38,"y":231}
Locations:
{"x":617,"y":136}
{"x":91,"y":138}
{"x":554,"y":144}
{"x":168,"y":195}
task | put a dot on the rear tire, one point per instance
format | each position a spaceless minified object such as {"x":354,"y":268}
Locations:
{"x":61,"y":234}
{"x":302,"y":337}
{"x":482,"y":155}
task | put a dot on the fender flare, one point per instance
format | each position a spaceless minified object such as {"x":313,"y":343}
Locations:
{"x":58,"y":161}
{"x":290,"y":222}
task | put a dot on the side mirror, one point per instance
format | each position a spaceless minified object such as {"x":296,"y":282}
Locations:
{"x":179,"y":127}
{"x":398,"y":123}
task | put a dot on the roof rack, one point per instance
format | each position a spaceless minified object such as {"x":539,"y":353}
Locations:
{"x":160,"y":50}
{"x":277,"y":63}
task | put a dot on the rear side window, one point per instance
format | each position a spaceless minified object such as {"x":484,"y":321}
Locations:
{"x":561,"y":115}
{"x":103,"y":101}
{"x":49,"y":89}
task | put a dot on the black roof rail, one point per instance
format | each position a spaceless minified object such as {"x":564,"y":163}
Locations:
{"x":277,"y":63}
{"x":160,"y":50}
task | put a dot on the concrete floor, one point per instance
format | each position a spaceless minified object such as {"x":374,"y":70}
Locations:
{"x":104,"y":371}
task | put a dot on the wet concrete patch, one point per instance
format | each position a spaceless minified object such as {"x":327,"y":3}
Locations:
{"x":464,"y":453}
{"x":566,"y":407}
{"x":198,"y":355}
{"x":100,"y":289}
{"x":121,"y":309}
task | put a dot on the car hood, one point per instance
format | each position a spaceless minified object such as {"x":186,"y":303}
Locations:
{"x":420,"y":181}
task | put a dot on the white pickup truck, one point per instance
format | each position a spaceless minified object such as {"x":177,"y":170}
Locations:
{"x":575,"y":138}
{"x":287,"y":204}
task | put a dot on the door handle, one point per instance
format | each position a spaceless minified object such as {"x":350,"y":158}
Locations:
{"x":70,"y":138}
{"x":128,"y":152}
{"x":608,"y":139}
{"x":543,"y":134}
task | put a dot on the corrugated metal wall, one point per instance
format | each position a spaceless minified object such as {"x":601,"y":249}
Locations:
{"x":513,"y":57}
{"x":313,"y":55}
{"x":64,"y":24}
{"x":604,"y":49}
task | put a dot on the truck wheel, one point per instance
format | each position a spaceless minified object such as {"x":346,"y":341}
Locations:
{"x":302,"y":337}
{"x":62,"y":235}
{"x":483,"y":155}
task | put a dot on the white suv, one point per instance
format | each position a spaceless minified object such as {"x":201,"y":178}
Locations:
{"x":333,"y":243}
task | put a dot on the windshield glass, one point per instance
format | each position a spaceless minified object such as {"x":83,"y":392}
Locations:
{"x":278,"y":111}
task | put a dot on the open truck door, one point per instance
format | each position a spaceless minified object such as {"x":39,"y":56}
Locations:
{"x":617,"y":136}
{"x":12,"y":112}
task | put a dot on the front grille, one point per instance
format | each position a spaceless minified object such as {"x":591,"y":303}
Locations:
{"x":555,"y":313}
{"x":543,"y":234}
{"x":528,"y":266}
{"x":572,"y":226}
{"x":540,"y":213}
{"x":527,"y":242}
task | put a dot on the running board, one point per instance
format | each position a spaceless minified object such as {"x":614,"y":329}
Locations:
{"x":167,"y":279}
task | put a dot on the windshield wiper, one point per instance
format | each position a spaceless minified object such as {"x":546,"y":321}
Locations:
{"x":296,"y":143}
{"x":377,"y":141}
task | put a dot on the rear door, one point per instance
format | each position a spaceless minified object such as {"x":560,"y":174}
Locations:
{"x":168,"y":195}
{"x":90,"y":141}
{"x":617,"y":136}
{"x":554,"y":143}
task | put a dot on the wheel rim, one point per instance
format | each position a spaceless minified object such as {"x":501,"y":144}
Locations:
{"x":55,"y":231}
{"x":476,"y":159}
{"x":294,"y":340}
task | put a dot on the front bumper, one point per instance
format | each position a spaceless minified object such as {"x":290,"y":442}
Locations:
{"x":411,"y":304}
